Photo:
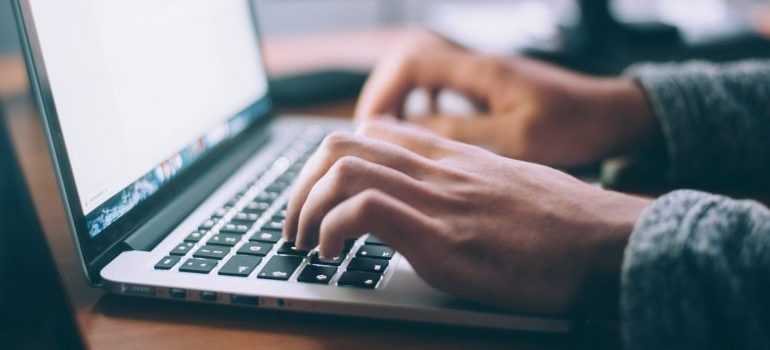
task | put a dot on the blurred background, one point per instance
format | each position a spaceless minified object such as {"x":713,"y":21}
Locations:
{"x":596,"y":36}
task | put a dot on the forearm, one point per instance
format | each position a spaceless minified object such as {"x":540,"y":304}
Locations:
{"x":696,"y":274}
{"x":715,"y":119}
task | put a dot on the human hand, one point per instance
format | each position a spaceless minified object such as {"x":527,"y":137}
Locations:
{"x":531,"y":110}
{"x":499,"y":231}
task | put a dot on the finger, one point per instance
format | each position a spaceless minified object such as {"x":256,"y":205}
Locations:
{"x":348,"y":177}
{"x":390,"y":83}
{"x":338,"y":145}
{"x":386,"y":89}
{"x":477,"y":130}
{"x":397,"y":224}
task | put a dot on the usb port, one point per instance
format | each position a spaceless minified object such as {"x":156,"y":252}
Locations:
{"x":244,"y":300}
{"x":208,"y":296}
{"x":177,"y":293}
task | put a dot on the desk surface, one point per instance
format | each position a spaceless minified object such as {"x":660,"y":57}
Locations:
{"x":115,"y":322}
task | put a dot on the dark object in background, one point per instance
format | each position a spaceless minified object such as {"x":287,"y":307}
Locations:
{"x":600,"y":44}
{"x":313,"y":88}
{"x":34,"y":310}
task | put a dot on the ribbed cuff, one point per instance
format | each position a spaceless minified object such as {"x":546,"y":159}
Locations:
{"x":714,"y":118}
{"x":673,"y":94}
{"x":696,"y":275}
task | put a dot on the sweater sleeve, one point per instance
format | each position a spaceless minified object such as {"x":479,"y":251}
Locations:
{"x":715,"y":119}
{"x":696,"y":275}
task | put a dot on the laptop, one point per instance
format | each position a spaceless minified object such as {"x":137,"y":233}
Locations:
{"x":36,"y":313}
{"x":175,"y":173}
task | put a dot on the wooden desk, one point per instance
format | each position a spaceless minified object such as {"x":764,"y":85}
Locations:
{"x":112,"y":322}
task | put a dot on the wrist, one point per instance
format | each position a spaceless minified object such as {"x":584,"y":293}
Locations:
{"x":618,"y":214}
{"x":628,"y":116}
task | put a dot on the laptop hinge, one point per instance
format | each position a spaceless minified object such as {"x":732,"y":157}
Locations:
{"x":152,"y":232}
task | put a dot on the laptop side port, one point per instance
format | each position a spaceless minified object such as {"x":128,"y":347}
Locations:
{"x":177,"y":293}
{"x":208,"y":296}
{"x":244,"y":300}
{"x":135,"y":289}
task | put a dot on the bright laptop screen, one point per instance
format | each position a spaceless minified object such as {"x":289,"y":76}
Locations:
{"x":144,"y":88}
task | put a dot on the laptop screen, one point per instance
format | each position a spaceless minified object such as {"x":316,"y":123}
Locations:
{"x":144,"y":88}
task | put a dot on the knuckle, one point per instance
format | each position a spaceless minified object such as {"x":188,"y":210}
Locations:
{"x":491,"y":62}
{"x":369,"y":202}
{"x":347,"y":168}
{"x":492,"y":66}
{"x":345,"y":171}
{"x":372,"y":128}
{"x":336,"y":142}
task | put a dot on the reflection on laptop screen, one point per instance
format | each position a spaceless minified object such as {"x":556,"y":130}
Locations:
{"x":143,"y":88}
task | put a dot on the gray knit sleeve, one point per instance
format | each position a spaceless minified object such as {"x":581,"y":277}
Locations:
{"x":696,"y":275}
{"x":715,"y":119}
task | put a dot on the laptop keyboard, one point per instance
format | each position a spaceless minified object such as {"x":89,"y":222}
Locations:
{"x":243,"y":238}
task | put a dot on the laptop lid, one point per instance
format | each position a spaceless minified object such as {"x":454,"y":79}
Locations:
{"x":36,"y":313}
{"x":138,"y":96}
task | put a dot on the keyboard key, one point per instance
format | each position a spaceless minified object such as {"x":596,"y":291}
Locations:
{"x":182,"y":248}
{"x":233,"y":201}
{"x":290,"y":174}
{"x":288,"y":248}
{"x":167,"y":263}
{"x":277,"y":186}
{"x":234,"y":228}
{"x":317,"y":274}
{"x":256,"y":207}
{"x":349,"y":243}
{"x":198,"y":265}
{"x":194,"y":237}
{"x":368,"y":265}
{"x":255,"y":248}
{"x":212,"y":252}
{"x":375,"y":251}
{"x":240,"y":265}
{"x":267,"y":196}
{"x":207,"y":225}
{"x":245,"y":218}
{"x":280,"y":267}
{"x":335,"y":261}
{"x":371,"y":240}
{"x":273,"y":226}
{"x":221,"y":212}
{"x":280,"y":214}
{"x":266,"y":236}
{"x":359,"y":279}
{"x":225,"y":239}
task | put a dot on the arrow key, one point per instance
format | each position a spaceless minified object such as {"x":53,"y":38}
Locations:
{"x":240,"y":265}
{"x":359,"y":279}
{"x":198,"y":265}
{"x":317,"y":274}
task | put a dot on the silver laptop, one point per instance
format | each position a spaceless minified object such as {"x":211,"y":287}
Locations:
{"x":175,"y":174}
